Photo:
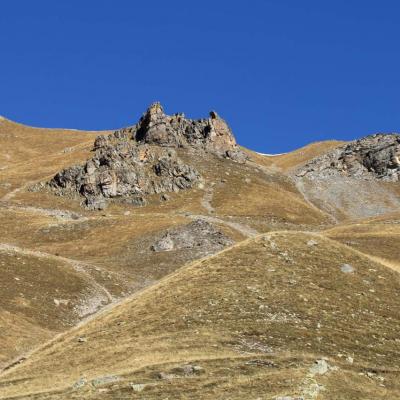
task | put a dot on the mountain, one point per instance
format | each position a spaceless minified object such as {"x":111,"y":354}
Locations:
{"x":163,"y":260}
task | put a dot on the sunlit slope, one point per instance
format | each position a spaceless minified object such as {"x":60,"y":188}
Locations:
{"x":289,"y":161}
{"x":39,"y":296}
{"x":378,"y":237}
{"x":27,"y":154}
{"x":110,"y":251}
{"x":254,"y":317}
{"x":18,"y":335}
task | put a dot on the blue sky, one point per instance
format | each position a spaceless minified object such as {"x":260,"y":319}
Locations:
{"x":283,"y":73}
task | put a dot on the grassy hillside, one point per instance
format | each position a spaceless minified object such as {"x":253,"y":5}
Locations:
{"x":110,"y":251}
{"x":251,"y":322}
{"x":40,"y":296}
{"x":28,"y":154}
{"x":378,"y":237}
{"x":289,"y":161}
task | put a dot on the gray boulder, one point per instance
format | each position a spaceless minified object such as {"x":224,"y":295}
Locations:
{"x":198,"y":235}
{"x":347,"y":268}
{"x":164,"y":244}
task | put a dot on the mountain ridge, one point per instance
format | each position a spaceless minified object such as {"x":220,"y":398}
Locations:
{"x":130,"y":248}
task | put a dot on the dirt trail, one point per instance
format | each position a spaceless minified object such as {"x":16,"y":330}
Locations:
{"x":387,"y":263}
{"x":245,"y":230}
{"x":395,"y":266}
{"x":206,"y":200}
{"x":12,"y":194}
{"x":62,"y":215}
{"x":107,"y":308}
{"x":79,"y":266}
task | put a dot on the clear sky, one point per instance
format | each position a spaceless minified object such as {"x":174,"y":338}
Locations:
{"x":283,"y":73}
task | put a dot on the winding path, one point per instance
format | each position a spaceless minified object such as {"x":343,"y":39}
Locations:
{"x":79,"y":266}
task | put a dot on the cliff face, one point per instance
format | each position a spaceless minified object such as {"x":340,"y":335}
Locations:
{"x":141,"y":160}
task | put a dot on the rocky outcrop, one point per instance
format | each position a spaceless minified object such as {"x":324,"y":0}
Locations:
{"x":209,"y":134}
{"x":373,"y":157}
{"x":198,"y":235}
{"x":353,"y":180}
{"x":142,"y":159}
{"x":127,"y":172}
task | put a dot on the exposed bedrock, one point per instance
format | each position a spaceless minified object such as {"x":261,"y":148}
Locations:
{"x":373,"y":157}
{"x":142,"y":160}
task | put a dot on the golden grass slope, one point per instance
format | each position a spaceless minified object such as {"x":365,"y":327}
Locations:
{"x":254,"y":318}
{"x":18,"y":335}
{"x":379,"y":237}
{"x":28,"y":154}
{"x":40,"y":296}
{"x":111,"y":249}
{"x":289,"y":161}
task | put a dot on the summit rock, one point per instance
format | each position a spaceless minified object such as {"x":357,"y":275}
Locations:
{"x":208,"y":134}
{"x":143,"y":159}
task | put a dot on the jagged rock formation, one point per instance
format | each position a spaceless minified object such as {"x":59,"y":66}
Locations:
{"x":211,"y":134}
{"x":126,"y":171}
{"x":373,"y":157}
{"x":141,"y":160}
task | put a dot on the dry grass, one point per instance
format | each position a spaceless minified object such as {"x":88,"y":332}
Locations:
{"x":265,"y":298}
{"x":272,"y":299}
{"x":378,"y":237}
{"x":29,"y":286}
{"x":29,"y":154}
{"x":289,"y":161}
{"x":18,"y":335}
{"x":115,"y":244}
